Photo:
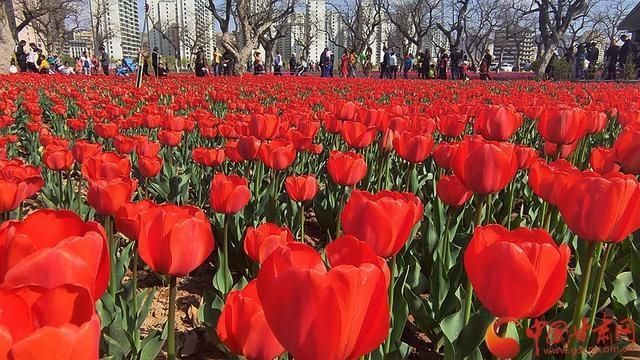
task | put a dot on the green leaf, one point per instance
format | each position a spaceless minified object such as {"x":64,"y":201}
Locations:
{"x":473,"y":334}
{"x":622,"y":290}
{"x":222,"y":280}
{"x":151,"y":346}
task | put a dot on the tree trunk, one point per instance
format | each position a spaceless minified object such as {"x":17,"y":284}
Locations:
{"x":545,"y":59}
{"x":7,"y":42}
{"x":268,"y":56}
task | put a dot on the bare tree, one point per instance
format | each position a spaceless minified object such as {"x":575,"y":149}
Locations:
{"x":268,"y":40}
{"x":57,"y":27}
{"x":453,"y":29}
{"x":102,"y":30}
{"x":607,"y":16}
{"x":27,"y":11}
{"x":480,"y":26}
{"x":309,"y":31}
{"x":554,"y":19}
{"x":252,"y":19}
{"x":360,"y":20}
{"x":413,"y":19}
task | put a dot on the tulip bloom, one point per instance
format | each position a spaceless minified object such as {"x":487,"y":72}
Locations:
{"x":175,"y":240}
{"x":443,"y":153}
{"x":106,"y":166}
{"x":106,"y":130}
{"x":264,"y":126}
{"x":383,"y":220}
{"x":58,"y":322}
{"x":229,"y":194}
{"x":346,"y":168}
{"x":34,"y":248}
{"x":315,"y":313}
{"x":451,"y":191}
{"x":208,"y":157}
{"x":497,"y":123}
{"x":248,"y":147}
{"x":601,"y":208}
{"x":149,"y":166}
{"x":626,"y":150}
{"x":57,"y":158}
{"x":17,"y":183}
{"x":562,"y":126}
{"x":301,"y":188}
{"x":550,"y":181}
{"x":277,"y":155}
{"x":129,"y":217}
{"x":485,"y":167}
{"x":414,"y":148}
{"x":602,"y":160}
{"x":83,"y":149}
{"x":524,"y":264}
{"x":124,"y":144}
{"x":358,"y":135}
{"x":452,"y":125}
{"x":243,"y":328}
{"x":261,"y":241}
{"x":170,"y":138}
{"x":526,"y":156}
{"x":107,"y":196}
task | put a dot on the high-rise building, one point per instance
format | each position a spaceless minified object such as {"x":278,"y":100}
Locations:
{"x":117,"y":26}
{"x":336,"y":34}
{"x":79,"y":41}
{"x":179,"y":27}
{"x":315,"y":25}
{"x":293,"y":41}
{"x":515,"y":46}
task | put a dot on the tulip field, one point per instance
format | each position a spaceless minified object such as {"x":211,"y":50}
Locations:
{"x":318,"y":219}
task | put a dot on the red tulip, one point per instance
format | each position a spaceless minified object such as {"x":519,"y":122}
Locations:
{"x":231,"y":151}
{"x":106,"y":130}
{"x":358,"y":135}
{"x":264,"y":126}
{"x":124,"y":144}
{"x":562,"y":126}
{"x":346,"y":168}
{"x":451,"y":191}
{"x":83,"y":149}
{"x":301,"y":188}
{"x":345,"y":111}
{"x":129,"y":217}
{"x":57,"y":158}
{"x":556,"y":151}
{"x":549,"y":181}
{"x":602,"y":208}
{"x":342,"y":313}
{"x":497,"y":123}
{"x":626,"y":150}
{"x":524,"y":264}
{"x":243,"y":328}
{"x":208,"y":157}
{"x":626,"y":117}
{"x":277,"y":155}
{"x":48,"y":323}
{"x":414,"y":148}
{"x":384,"y":220}
{"x":596,"y":121}
{"x":33,"y":250}
{"x":452,"y":125}
{"x":526,"y":156}
{"x":248,"y":147}
{"x":147,"y":148}
{"x":170,"y":138}
{"x":106,"y":166}
{"x":261,"y":241}
{"x":443,"y":153}
{"x":149,"y":166}
{"x":602,"y":160}
{"x":107,"y":196}
{"x":174,"y":240}
{"x":484,"y":167}
{"x":17,"y":183}
{"x":229,"y":194}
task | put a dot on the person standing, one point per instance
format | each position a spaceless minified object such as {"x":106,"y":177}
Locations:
{"x":217,"y":62}
{"x":352,"y":63}
{"x":86,"y":63}
{"x":581,"y":62}
{"x":627,"y":52}
{"x":21,"y":56}
{"x":456,"y":58}
{"x":485,"y":63}
{"x":104,"y":60}
{"x":611,"y":60}
{"x":293,"y":64}
{"x":278,"y":64}
{"x":154,"y":61}
{"x":442,"y":65}
{"x":384,"y":65}
{"x":324,"y":63}
{"x":592,"y":55}
{"x":407,"y":65}
{"x":463,"y":67}
{"x":32,"y":57}
{"x":200,"y":62}
{"x":366,"y":64}
{"x":426,"y":64}
{"x":344,"y":64}
{"x":393,"y":65}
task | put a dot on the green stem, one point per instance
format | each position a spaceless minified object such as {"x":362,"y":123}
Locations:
{"x":511,"y":191}
{"x":113,"y":287}
{"x":225,"y":251}
{"x":340,"y":208}
{"x":171,"y":334}
{"x":596,"y":291}
{"x":408,"y":180}
{"x":387,"y":342}
{"x":576,"y":322}
{"x":60,"y":191}
{"x":79,"y":196}
{"x":547,"y":219}
{"x":301,"y":222}
{"x":134,"y":289}
{"x":445,"y":247}
{"x":468,"y":302}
